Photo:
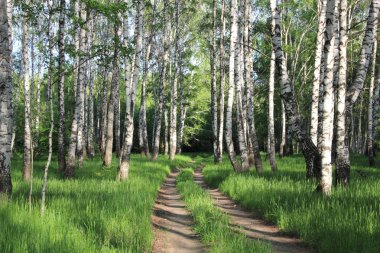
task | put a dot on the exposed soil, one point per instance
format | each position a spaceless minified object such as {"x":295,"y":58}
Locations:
{"x":250,"y":223}
{"x":172,"y":222}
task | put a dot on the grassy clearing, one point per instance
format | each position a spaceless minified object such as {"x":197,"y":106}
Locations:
{"x":92,"y":213}
{"x":349,"y":221}
{"x":211,"y":223}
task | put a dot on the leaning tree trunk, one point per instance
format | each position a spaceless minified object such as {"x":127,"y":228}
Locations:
{"x":271,"y":140}
{"x":221,"y":84}
{"x":342,"y":162}
{"x":317,"y":71}
{"x":309,"y":149}
{"x":328,"y":99}
{"x":158,"y":115}
{"x":61,"y":90}
{"x":214,"y":109}
{"x":50,"y":136}
{"x":6,"y":108}
{"x":357,"y":86}
{"x":112,"y":101}
{"x":370,"y":139}
{"x":130,"y":107}
{"x":231,"y":87}
{"x":248,"y":65}
{"x":26,"y":172}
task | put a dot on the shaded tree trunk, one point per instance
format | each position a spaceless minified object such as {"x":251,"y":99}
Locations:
{"x":6,"y":107}
{"x":221,"y":85}
{"x":342,"y":162}
{"x":213,"y":105}
{"x":26,"y":172}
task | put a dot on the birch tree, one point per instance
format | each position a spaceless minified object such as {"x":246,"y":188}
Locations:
{"x":214,"y":108}
{"x":221,"y":83}
{"x":130,"y":106}
{"x":317,"y":70}
{"x":342,"y":162}
{"x":26,"y":172}
{"x":309,"y":149}
{"x":231,"y":88}
{"x":271,"y":139}
{"x":6,"y":108}
{"x":328,"y":99}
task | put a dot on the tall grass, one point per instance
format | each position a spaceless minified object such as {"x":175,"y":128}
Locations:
{"x":93,"y":213}
{"x":211,"y":223}
{"x":348,"y":221}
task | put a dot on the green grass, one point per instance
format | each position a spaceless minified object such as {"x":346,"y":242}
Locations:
{"x":348,"y":221}
{"x":211,"y":223}
{"x":93,"y":213}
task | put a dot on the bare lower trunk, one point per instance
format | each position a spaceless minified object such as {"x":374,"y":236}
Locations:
{"x":160,"y":94}
{"x":221,"y":85}
{"x":182,"y":112}
{"x":6,"y":108}
{"x":112,"y":102}
{"x":328,"y":99}
{"x":231,"y":88}
{"x":130,"y":106}
{"x":342,"y":162}
{"x":370,"y":139}
{"x":213,"y":105}
{"x":271,"y":140}
{"x":26,"y":172}
{"x":283,"y":130}
{"x":76,"y":126}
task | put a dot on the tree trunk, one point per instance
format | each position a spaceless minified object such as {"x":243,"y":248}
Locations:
{"x":26,"y":173}
{"x":248,"y":75}
{"x":342,"y":162}
{"x":376,"y":107}
{"x":317,"y":71}
{"x":61,"y":90}
{"x":182,"y":109}
{"x":231,"y":87}
{"x":76,"y":126}
{"x":130,"y":107}
{"x":160,"y":94}
{"x":283,"y":131}
{"x":271,"y":139}
{"x":309,"y":150}
{"x":214,"y":108}
{"x":328,"y":99}
{"x":370,"y":139}
{"x":112,"y":100}
{"x":221,"y":85}
{"x":173,"y":97}
{"x":6,"y":108}
{"x":50,"y":136}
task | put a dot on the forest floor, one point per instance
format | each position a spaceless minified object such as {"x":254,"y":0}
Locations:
{"x":95,"y":213}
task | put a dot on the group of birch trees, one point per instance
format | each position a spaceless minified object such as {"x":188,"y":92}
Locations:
{"x":324,"y":131}
{"x":86,"y":78}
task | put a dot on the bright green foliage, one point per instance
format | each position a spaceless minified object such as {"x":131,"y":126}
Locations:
{"x":349,"y":221}
{"x":93,"y":213}
{"x":211,"y":223}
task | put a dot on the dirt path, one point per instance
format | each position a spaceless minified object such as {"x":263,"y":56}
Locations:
{"x":249,"y":223}
{"x":172,"y":222}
